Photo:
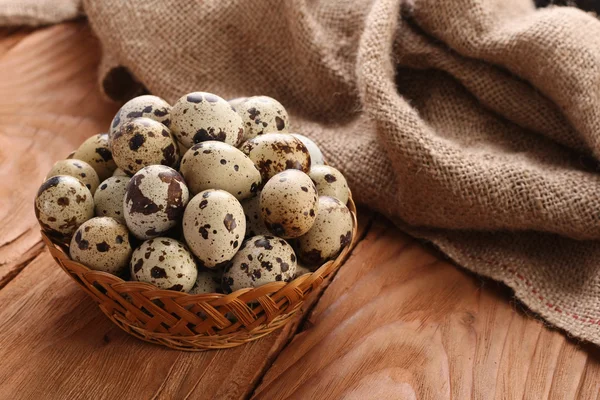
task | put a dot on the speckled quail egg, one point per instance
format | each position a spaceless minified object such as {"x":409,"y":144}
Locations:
{"x":200,"y":116}
{"x":237,"y":101}
{"x":276,"y":152}
{"x":262,"y":114}
{"x":142,"y":142}
{"x":289,"y":204}
{"x":254,"y":223}
{"x":208,"y":281}
{"x":316,"y":156}
{"x":165,"y":263}
{"x":218,"y":165}
{"x":108,"y":199}
{"x":120,"y":172}
{"x":214,"y":227}
{"x":154,"y":201}
{"x":62,"y":204}
{"x":331,"y":232}
{"x":102,"y":244}
{"x":96,"y":152}
{"x":329,"y":182}
{"x":78,"y":169}
{"x":148,"y":106}
{"x":260,"y":260}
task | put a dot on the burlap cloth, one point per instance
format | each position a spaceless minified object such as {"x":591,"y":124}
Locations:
{"x":474,"y":124}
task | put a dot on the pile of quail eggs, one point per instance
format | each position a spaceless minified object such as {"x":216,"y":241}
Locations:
{"x":205,"y":196}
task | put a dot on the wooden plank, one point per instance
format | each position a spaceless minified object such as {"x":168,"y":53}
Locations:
{"x":397,"y":322}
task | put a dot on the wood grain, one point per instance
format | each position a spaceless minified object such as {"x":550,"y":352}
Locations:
{"x":397,"y":322}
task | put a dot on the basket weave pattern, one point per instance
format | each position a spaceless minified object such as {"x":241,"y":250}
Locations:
{"x":197,"y":322}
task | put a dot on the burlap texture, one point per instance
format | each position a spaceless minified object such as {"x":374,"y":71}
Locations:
{"x":474,"y":124}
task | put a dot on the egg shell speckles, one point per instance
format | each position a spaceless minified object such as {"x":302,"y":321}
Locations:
{"x":208,"y":281}
{"x":154,"y":201}
{"x":218,"y":165}
{"x":275,"y":152}
{"x":142,"y":142}
{"x":262,"y":114}
{"x":261,"y":259}
{"x":62,"y":204}
{"x":289,"y":204}
{"x":148,"y":106}
{"x":78,"y":169}
{"x":330,"y":182}
{"x":316,"y":156}
{"x":331,"y":232}
{"x":108,"y":199}
{"x":214,"y":227}
{"x":102,"y":244}
{"x":200,"y":116}
{"x":96,"y":152}
{"x":254,"y":223}
{"x":165,"y":263}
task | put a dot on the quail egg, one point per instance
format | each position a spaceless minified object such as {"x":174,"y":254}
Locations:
{"x":142,"y":142}
{"x":254,"y":223}
{"x":102,"y":244}
{"x":262,"y":114}
{"x":331,"y":232}
{"x":301,"y":269}
{"x":329,"y":182}
{"x":237,"y":101}
{"x":316,"y":156}
{"x":289,"y":204}
{"x":62,"y":204}
{"x":108,"y":199}
{"x":260,"y":260}
{"x":214,"y":227}
{"x":208,"y":281}
{"x":148,"y":106}
{"x":276,"y":152}
{"x":96,"y":152}
{"x":78,"y":169}
{"x":200,"y":116}
{"x":120,"y":172}
{"x":154,"y":201}
{"x":218,"y":165}
{"x":165,"y":263}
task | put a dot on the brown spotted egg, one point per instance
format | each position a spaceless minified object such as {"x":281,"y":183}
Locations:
{"x":218,"y":165}
{"x":276,"y":152}
{"x":200,"y":116}
{"x":62,"y":204}
{"x":154,"y":201}
{"x":208,"y":281}
{"x":102,"y":244}
{"x":316,"y":156}
{"x":96,"y":152}
{"x":331,"y":232}
{"x":165,"y":263}
{"x":148,"y":106}
{"x":142,"y":142}
{"x":254,"y":223}
{"x":78,"y":169}
{"x":237,"y":101}
{"x":120,"y":172}
{"x":330,"y":182}
{"x":260,"y":260}
{"x":108,"y":199}
{"x":289,"y":204}
{"x":262,"y":114}
{"x":214,"y":227}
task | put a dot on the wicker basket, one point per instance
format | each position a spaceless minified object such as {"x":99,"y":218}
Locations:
{"x":197,"y":322}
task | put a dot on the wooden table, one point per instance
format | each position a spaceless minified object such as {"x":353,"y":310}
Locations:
{"x":396,"y":322}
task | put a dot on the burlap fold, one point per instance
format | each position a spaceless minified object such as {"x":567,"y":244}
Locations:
{"x":472,"y":123}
